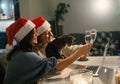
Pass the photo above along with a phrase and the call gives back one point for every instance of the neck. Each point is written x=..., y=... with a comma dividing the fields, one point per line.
x=44, y=44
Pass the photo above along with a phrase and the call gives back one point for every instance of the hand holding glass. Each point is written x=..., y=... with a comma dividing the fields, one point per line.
x=90, y=35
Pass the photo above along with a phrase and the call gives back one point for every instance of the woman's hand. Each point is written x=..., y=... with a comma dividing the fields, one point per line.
x=85, y=49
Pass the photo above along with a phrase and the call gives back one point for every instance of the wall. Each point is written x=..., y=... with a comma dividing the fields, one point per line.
x=81, y=14
x=33, y=8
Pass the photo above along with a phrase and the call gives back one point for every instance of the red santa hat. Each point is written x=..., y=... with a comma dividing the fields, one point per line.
x=18, y=30
x=41, y=24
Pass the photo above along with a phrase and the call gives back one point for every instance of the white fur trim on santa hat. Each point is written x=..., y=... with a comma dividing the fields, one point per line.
x=43, y=28
x=9, y=47
x=24, y=31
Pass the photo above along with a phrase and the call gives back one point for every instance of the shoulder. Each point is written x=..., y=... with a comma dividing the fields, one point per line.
x=26, y=55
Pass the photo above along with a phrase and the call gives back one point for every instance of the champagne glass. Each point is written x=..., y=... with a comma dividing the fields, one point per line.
x=90, y=36
x=87, y=36
x=93, y=34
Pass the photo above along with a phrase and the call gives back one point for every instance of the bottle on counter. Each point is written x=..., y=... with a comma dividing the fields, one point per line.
x=117, y=72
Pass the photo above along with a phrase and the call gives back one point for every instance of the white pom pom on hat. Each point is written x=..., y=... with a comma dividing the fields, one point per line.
x=9, y=47
x=18, y=30
x=41, y=24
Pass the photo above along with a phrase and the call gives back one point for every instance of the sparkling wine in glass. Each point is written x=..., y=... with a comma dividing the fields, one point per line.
x=87, y=36
x=93, y=34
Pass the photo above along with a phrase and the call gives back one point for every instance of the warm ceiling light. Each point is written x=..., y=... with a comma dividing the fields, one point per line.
x=102, y=7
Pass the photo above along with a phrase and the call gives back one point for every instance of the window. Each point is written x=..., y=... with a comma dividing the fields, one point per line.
x=9, y=12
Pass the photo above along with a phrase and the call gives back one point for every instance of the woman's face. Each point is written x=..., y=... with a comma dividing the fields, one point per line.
x=34, y=39
x=47, y=36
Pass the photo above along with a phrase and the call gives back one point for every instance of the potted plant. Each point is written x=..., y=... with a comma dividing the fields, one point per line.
x=62, y=9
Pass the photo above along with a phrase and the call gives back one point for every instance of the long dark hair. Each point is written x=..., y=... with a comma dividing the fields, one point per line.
x=39, y=39
x=24, y=45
